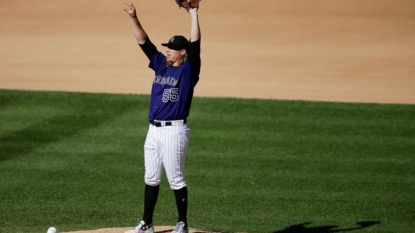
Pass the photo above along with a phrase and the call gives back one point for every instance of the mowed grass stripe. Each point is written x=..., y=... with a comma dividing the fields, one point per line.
x=75, y=161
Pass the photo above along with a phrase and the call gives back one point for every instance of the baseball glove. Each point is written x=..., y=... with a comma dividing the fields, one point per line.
x=187, y=4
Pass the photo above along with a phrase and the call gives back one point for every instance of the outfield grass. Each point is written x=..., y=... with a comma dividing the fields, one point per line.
x=75, y=161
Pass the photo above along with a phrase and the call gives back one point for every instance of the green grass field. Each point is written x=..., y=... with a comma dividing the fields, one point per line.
x=75, y=161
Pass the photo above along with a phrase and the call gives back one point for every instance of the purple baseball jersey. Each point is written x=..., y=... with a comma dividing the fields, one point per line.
x=172, y=90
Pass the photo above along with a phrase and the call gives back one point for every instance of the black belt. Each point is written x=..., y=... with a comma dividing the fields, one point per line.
x=167, y=123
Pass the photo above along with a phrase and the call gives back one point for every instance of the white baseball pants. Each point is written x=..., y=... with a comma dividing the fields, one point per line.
x=165, y=149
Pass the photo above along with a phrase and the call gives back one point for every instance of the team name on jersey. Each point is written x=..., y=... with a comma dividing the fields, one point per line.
x=165, y=80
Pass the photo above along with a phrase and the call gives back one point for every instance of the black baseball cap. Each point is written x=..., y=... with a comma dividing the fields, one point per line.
x=177, y=43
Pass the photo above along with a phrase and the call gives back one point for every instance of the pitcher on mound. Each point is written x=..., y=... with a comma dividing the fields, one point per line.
x=176, y=75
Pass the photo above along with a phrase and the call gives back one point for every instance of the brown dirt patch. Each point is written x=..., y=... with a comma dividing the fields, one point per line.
x=157, y=229
x=353, y=51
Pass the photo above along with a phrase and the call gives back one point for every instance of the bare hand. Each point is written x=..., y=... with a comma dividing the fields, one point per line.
x=131, y=12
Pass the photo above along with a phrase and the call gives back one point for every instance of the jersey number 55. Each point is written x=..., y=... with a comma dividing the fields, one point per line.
x=170, y=95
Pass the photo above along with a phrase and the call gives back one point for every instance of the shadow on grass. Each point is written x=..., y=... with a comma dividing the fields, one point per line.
x=302, y=228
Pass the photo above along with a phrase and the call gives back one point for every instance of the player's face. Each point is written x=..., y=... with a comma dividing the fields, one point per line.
x=174, y=56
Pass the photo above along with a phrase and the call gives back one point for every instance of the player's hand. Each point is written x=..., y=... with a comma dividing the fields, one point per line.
x=131, y=12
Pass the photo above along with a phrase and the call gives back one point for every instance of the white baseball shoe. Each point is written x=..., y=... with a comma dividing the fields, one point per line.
x=181, y=227
x=142, y=227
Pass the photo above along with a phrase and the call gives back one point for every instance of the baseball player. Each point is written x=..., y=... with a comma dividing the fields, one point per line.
x=176, y=75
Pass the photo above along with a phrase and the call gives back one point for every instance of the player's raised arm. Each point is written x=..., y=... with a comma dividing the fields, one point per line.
x=195, y=29
x=139, y=33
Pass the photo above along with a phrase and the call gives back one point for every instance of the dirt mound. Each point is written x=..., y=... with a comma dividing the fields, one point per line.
x=158, y=229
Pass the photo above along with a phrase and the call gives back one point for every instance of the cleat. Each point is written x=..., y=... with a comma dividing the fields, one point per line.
x=142, y=227
x=181, y=227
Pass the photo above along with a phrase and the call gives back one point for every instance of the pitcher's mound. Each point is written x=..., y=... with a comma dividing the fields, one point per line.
x=157, y=229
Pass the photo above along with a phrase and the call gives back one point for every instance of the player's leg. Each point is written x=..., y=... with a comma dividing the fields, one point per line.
x=152, y=177
x=153, y=172
x=150, y=199
x=181, y=203
x=175, y=141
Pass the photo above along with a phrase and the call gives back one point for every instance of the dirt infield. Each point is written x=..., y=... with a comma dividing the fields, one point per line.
x=353, y=51
x=348, y=51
